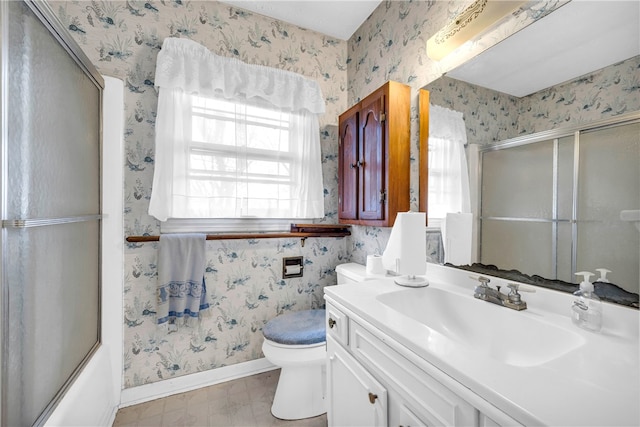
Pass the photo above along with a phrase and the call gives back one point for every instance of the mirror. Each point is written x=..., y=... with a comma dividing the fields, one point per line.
x=535, y=202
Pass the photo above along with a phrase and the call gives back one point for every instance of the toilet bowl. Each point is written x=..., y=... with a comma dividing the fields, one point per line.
x=296, y=342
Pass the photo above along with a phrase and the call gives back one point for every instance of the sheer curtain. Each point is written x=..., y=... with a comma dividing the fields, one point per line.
x=448, y=174
x=234, y=140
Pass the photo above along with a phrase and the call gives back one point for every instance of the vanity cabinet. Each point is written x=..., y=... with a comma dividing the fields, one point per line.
x=373, y=157
x=356, y=397
x=365, y=365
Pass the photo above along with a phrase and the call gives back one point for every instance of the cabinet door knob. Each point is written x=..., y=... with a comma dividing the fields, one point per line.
x=331, y=323
x=372, y=398
x=353, y=165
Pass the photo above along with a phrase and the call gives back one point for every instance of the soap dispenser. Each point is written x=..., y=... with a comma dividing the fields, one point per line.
x=603, y=275
x=586, y=311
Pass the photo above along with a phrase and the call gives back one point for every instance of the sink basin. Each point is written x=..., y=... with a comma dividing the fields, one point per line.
x=512, y=337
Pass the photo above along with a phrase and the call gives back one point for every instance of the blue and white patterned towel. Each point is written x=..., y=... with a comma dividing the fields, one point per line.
x=181, y=288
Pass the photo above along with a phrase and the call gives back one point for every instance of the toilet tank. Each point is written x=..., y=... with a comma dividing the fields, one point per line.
x=352, y=273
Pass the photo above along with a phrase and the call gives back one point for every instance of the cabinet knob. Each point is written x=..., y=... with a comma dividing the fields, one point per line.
x=372, y=398
x=331, y=323
x=353, y=165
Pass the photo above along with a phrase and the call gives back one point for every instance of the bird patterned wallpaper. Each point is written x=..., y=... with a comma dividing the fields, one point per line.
x=244, y=277
x=390, y=45
x=245, y=285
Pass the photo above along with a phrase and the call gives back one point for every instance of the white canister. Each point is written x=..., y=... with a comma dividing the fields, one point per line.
x=374, y=265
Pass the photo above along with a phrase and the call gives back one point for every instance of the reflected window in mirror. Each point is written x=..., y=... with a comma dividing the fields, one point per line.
x=448, y=173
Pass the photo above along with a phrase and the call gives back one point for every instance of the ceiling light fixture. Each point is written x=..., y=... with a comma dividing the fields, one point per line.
x=473, y=20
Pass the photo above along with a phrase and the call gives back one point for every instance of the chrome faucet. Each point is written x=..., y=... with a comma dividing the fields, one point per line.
x=513, y=300
x=485, y=293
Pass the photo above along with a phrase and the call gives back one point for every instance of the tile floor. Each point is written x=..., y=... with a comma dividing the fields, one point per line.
x=240, y=403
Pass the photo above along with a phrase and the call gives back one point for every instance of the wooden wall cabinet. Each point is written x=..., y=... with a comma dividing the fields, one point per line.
x=374, y=151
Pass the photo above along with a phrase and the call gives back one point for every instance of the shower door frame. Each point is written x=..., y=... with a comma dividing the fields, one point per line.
x=553, y=135
x=47, y=17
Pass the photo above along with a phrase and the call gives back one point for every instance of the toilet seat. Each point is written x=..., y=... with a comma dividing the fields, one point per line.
x=304, y=327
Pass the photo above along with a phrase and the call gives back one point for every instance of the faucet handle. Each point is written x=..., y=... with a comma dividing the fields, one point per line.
x=515, y=288
x=484, y=281
x=513, y=299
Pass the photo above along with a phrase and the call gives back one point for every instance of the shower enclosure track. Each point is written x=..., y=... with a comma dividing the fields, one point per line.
x=40, y=222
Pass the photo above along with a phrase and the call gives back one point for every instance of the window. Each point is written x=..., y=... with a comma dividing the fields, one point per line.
x=243, y=156
x=448, y=175
x=234, y=147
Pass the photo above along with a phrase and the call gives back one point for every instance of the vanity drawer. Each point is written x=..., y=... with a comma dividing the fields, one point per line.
x=337, y=325
x=435, y=403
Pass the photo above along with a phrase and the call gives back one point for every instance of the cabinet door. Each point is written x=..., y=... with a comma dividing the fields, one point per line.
x=348, y=165
x=408, y=384
x=407, y=418
x=355, y=398
x=371, y=152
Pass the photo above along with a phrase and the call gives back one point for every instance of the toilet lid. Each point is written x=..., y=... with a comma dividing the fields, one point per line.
x=298, y=328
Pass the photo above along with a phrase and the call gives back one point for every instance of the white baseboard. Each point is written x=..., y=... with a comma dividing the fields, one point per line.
x=147, y=392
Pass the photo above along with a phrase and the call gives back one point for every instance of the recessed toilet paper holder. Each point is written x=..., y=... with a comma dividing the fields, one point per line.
x=292, y=267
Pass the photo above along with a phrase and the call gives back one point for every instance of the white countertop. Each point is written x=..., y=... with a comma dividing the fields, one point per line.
x=595, y=384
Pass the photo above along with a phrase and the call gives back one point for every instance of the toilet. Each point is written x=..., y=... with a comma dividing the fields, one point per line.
x=296, y=342
x=353, y=273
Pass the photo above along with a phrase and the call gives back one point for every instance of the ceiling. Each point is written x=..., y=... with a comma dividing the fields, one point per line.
x=578, y=38
x=336, y=18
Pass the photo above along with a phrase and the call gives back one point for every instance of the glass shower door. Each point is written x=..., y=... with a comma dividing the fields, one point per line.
x=50, y=238
x=518, y=208
x=604, y=240
x=552, y=207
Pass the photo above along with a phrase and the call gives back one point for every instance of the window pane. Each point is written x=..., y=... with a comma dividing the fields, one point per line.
x=240, y=159
x=266, y=167
x=208, y=130
x=268, y=138
x=213, y=121
x=205, y=163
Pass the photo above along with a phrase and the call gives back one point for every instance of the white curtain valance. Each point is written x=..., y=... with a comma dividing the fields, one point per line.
x=447, y=124
x=188, y=66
